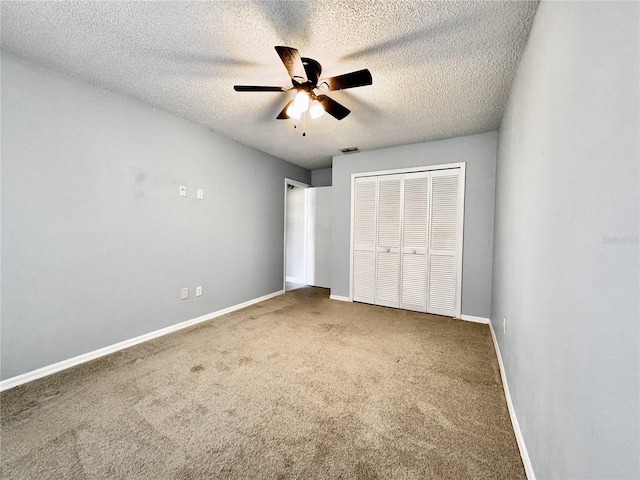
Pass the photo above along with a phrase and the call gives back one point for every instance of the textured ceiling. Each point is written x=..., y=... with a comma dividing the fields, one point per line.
x=440, y=69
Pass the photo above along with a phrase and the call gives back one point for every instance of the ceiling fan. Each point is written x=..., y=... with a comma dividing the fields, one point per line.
x=305, y=74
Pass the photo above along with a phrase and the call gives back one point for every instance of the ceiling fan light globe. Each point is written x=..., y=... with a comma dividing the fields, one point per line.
x=293, y=112
x=316, y=110
x=301, y=102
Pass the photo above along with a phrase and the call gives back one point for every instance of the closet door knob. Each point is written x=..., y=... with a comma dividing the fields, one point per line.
x=413, y=251
x=388, y=250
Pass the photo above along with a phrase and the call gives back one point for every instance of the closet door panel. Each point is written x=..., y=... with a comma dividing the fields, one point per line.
x=414, y=282
x=415, y=227
x=442, y=284
x=364, y=274
x=445, y=242
x=415, y=230
x=388, y=240
x=365, y=213
x=364, y=239
x=444, y=213
x=389, y=194
x=388, y=279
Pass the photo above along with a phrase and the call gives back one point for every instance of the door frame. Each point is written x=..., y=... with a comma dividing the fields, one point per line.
x=295, y=183
x=425, y=168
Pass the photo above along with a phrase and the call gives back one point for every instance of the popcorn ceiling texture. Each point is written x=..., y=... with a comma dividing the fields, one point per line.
x=440, y=69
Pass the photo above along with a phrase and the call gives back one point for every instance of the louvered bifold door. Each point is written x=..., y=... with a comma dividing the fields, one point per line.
x=388, y=240
x=415, y=230
x=445, y=243
x=364, y=240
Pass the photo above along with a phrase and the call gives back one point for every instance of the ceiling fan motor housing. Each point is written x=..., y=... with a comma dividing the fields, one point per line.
x=313, y=69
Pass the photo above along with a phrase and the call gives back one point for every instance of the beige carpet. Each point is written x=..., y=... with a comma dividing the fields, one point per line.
x=299, y=386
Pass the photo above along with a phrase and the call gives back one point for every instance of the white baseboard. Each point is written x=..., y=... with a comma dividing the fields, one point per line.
x=471, y=318
x=528, y=467
x=85, y=357
x=338, y=297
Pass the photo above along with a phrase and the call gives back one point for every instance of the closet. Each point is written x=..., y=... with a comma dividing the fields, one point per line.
x=407, y=239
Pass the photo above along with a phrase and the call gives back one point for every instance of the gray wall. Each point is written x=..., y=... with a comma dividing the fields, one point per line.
x=567, y=185
x=321, y=178
x=479, y=151
x=96, y=242
x=319, y=236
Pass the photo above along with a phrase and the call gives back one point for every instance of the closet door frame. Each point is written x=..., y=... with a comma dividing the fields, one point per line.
x=425, y=168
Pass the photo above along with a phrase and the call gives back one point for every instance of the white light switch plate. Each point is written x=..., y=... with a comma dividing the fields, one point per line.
x=183, y=191
x=198, y=291
x=200, y=193
x=185, y=293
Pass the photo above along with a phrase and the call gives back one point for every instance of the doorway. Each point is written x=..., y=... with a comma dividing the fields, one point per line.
x=295, y=235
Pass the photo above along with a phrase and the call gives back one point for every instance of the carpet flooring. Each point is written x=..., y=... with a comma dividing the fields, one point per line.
x=298, y=386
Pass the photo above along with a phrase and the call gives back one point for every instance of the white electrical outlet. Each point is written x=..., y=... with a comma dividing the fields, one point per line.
x=185, y=293
x=183, y=191
x=200, y=193
x=199, y=291
x=504, y=326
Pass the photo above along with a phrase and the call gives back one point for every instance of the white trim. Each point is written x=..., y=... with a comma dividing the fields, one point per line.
x=300, y=281
x=471, y=318
x=351, y=235
x=528, y=467
x=424, y=168
x=101, y=352
x=338, y=297
x=462, y=182
x=295, y=183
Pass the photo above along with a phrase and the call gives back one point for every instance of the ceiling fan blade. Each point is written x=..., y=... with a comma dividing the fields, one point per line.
x=256, y=88
x=333, y=108
x=292, y=62
x=348, y=80
x=283, y=114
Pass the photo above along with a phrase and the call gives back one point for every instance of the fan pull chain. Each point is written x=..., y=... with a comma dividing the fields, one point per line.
x=304, y=125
